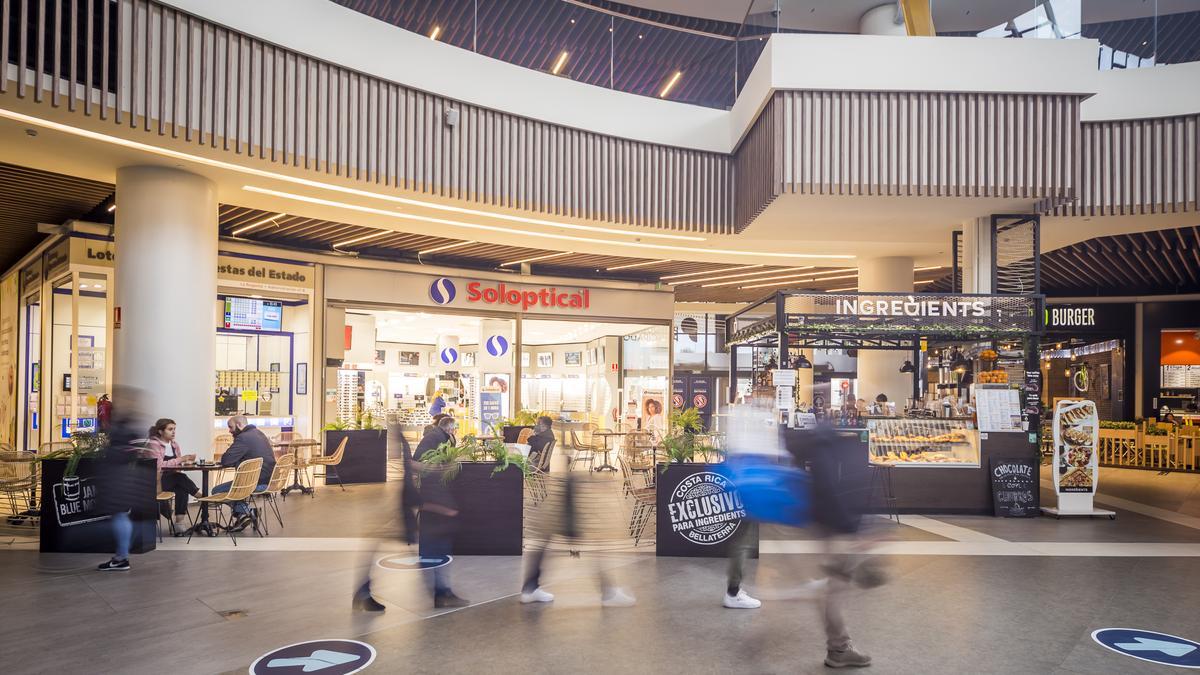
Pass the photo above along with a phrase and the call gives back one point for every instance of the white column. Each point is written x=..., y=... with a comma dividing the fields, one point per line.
x=882, y=20
x=879, y=370
x=166, y=287
x=977, y=256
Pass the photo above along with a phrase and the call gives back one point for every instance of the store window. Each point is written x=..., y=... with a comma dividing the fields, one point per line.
x=78, y=364
x=31, y=370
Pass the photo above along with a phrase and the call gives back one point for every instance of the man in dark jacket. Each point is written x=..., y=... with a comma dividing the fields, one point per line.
x=249, y=442
x=541, y=441
x=438, y=512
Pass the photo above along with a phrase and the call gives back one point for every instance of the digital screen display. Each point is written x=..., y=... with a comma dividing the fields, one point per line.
x=253, y=314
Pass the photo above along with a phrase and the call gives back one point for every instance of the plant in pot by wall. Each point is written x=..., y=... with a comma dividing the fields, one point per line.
x=680, y=443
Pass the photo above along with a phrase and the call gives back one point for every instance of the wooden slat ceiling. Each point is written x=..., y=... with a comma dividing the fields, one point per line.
x=29, y=197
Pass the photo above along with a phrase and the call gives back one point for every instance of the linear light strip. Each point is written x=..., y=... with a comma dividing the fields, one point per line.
x=792, y=281
x=558, y=65
x=216, y=163
x=251, y=226
x=926, y=269
x=446, y=247
x=700, y=274
x=537, y=258
x=633, y=265
x=363, y=238
x=736, y=276
x=548, y=235
x=789, y=277
x=433, y=35
x=671, y=84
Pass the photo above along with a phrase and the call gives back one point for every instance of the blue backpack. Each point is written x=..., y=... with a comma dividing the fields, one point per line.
x=771, y=493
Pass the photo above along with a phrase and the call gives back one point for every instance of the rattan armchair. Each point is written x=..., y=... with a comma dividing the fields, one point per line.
x=245, y=480
x=279, y=479
x=331, y=462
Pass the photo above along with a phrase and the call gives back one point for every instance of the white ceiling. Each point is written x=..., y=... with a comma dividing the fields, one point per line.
x=841, y=16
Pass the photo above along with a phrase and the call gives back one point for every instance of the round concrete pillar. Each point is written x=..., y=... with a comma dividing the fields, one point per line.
x=166, y=289
x=882, y=20
x=879, y=370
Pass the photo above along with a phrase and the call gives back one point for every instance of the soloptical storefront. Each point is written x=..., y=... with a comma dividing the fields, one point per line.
x=401, y=343
x=304, y=341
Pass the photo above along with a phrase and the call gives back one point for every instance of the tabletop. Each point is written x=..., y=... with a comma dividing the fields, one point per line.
x=196, y=467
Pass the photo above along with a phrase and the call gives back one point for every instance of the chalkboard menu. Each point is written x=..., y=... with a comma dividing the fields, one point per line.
x=1015, y=487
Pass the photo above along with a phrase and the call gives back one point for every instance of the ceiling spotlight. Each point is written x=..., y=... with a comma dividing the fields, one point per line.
x=111, y=207
x=802, y=362
x=907, y=367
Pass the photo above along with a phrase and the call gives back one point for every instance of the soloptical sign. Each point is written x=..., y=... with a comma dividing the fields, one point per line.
x=444, y=291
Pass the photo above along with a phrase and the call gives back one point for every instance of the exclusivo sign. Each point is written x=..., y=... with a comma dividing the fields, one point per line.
x=443, y=291
x=910, y=306
x=705, y=508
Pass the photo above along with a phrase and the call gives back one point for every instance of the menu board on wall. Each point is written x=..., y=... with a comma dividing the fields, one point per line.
x=998, y=409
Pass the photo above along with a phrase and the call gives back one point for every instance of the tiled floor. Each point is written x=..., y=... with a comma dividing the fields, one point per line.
x=966, y=595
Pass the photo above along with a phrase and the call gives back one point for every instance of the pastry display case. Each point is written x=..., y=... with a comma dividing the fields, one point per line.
x=918, y=442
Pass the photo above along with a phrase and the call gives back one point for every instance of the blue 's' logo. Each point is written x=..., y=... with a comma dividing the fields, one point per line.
x=442, y=291
x=449, y=356
x=497, y=345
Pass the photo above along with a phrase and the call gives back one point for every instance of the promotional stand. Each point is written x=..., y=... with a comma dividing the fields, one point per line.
x=1076, y=469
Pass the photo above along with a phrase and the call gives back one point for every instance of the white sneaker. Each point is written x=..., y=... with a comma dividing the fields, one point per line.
x=741, y=601
x=537, y=595
x=616, y=597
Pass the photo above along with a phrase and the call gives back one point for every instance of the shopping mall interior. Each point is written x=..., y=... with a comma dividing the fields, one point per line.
x=750, y=336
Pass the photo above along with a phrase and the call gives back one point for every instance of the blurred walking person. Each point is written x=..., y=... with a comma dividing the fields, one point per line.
x=557, y=516
x=836, y=497
x=437, y=517
x=410, y=503
x=119, y=487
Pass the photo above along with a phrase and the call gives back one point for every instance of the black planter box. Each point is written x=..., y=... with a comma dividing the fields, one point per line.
x=699, y=514
x=490, y=510
x=365, y=460
x=69, y=523
x=511, y=434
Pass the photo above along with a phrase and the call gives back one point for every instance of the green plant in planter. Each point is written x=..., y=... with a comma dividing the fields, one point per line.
x=448, y=458
x=367, y=421
x=686, y=421
x=1105, y=424
x=84, y=445
x=336, y=425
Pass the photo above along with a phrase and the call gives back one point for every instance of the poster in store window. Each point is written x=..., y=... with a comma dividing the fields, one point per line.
x=653, y=410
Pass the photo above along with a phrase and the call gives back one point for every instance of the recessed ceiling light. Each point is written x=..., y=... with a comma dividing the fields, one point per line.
x=433, y=34
x=111, y=208
x=1179, y=341
x=562, y=60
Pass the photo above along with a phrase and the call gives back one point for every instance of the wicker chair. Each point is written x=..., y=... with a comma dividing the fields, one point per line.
x=536, y=480
x=582, y=452
x=523, y=437
x=18, y=471
x=645, y=502
x=279, y=479
x=331, y=462
x=245, y=480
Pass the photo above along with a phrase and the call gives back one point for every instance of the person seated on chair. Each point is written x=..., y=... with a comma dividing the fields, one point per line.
x=249, y=442
x=165, y=450
x=540, y=441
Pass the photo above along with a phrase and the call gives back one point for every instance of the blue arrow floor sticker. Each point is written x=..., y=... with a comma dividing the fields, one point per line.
x=1146, y=645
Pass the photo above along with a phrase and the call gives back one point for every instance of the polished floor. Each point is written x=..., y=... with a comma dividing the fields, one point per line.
x=965, y=595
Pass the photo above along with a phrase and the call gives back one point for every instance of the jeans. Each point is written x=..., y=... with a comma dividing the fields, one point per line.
x=240, y=507
x=122, y=528
x=739, y=550
x=437, y=540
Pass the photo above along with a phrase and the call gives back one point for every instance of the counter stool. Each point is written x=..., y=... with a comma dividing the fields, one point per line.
x=881, y=475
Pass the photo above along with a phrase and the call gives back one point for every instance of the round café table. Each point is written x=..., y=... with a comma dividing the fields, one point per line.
x=202, y=525
x=294, y=447
x=606, y=466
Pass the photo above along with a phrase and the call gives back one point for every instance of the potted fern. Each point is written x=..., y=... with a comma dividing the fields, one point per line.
x=487, y=483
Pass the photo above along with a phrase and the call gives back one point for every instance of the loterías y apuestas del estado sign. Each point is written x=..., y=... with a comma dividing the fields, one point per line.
x=910, y=306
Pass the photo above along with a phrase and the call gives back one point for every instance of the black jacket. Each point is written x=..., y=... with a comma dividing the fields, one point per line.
x=434, y=490
x=538, y=444
x=248, y=444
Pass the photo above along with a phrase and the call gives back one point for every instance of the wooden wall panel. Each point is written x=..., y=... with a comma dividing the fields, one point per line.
x=1137, y=167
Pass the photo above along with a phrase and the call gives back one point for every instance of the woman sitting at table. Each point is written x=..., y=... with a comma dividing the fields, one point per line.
x=166, y=451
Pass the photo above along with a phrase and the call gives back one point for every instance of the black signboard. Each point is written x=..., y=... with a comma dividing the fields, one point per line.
x=1015, y=487
x=700, y=514
x=70, y=523
x=1101, y=317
